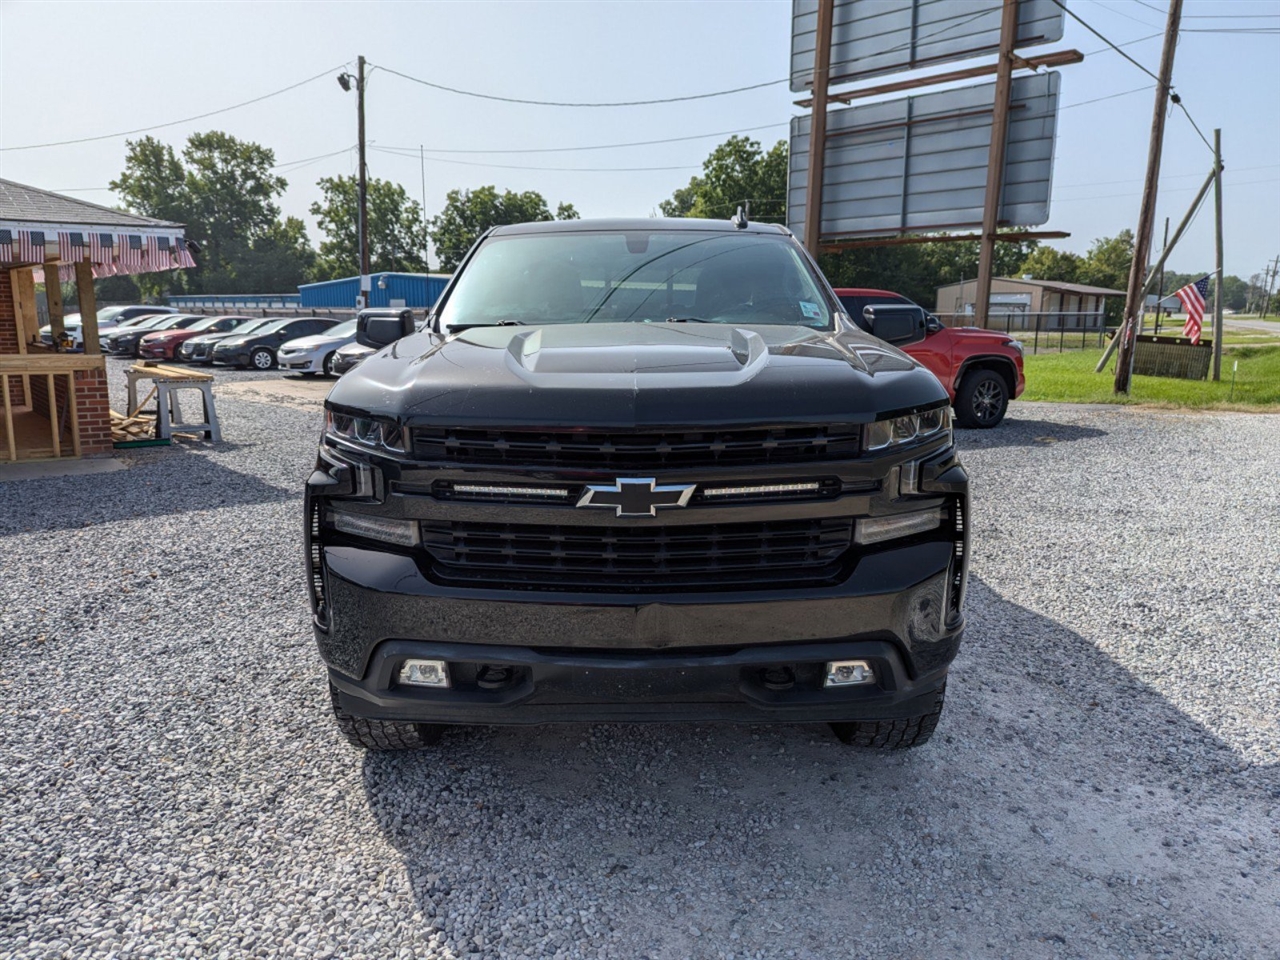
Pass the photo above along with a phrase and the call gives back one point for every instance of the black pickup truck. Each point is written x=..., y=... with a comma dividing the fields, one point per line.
x=638, y=470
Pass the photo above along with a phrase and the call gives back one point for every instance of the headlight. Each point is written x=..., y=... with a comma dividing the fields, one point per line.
x=1016, y=345
x=364, y=431
x=903, y=430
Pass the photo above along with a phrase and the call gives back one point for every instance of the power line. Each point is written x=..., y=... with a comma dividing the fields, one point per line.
x=508, y=166
x=1113, y=46
x=1110, y=96
x=558, y=103
x=604, y=146
x=1107, y=6
x=174, y=123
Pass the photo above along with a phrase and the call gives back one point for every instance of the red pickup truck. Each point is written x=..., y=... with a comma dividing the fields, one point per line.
x=980, y=369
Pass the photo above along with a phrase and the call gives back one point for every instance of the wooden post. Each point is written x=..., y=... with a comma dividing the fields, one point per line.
x=54, y=426
x=1217, y=276
x=818, y=128
x=995, y=158
x=53, y=297
x=8, y=417
x=1147, y=213
x=88, y=307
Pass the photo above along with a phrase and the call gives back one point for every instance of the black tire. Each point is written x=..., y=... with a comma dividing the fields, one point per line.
x=893, y=734
x=383, y=734
x=262, y=358
x=982, y=399
x=327, y=366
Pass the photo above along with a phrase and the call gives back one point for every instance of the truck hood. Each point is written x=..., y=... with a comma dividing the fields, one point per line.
x=979, y=335
x=636, y=374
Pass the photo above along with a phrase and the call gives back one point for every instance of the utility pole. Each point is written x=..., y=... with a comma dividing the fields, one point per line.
x=1146, y=216
x=1268, y=284
x=364, y=189
x=1217, y=276
x=426, y=244
x=818, y=128
x=995, y=158
x=1160, y=288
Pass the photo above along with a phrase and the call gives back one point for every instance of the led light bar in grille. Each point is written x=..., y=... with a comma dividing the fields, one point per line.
x=762, y=489
x=477, y=489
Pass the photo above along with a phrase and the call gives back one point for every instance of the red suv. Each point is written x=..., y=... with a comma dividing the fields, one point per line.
x=981, y=369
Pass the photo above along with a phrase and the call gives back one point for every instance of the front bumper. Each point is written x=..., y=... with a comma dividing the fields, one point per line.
x=663, y=657
x=239, y=358
x=557, y=686
x=301, y=362
x=156, y=351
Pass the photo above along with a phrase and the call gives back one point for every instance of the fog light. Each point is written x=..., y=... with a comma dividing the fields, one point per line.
x=846, y=673
x=424, y=673
x=403, y=533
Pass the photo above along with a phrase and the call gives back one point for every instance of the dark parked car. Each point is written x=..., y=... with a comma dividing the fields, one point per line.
x=257, y=349
x=199, y=349
x=164, y=344
x=125, y=342
x=638, y=470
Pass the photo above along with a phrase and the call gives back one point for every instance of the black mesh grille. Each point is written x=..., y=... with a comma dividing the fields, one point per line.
x=315, y=570
x=958, y=559
x=622, y=558
x=632, y=451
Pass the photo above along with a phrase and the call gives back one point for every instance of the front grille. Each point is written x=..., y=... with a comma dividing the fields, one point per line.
x=533, y=556
x=605, y=450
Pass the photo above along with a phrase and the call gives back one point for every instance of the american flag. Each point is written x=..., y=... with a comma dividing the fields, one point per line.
x=6, y=246
x=100, y=251
x=1192, y=297
x=182, y=254
x=30, y=246
x=70, y=246
x=129, y=259
x=158, y=253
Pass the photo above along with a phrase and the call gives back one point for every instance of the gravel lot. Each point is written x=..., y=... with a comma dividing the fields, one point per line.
x=1105, y=781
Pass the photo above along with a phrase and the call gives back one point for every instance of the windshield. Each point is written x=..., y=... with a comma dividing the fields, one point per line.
x=271, y=326
x=639, y=276
x=204, y=324
x=347, y=329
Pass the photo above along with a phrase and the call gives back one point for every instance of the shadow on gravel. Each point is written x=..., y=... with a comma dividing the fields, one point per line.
x=1020, y=432
x=163, y=481
x=1059, y=812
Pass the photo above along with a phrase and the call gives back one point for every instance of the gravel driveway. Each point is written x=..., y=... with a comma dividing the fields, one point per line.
x=1105, y=781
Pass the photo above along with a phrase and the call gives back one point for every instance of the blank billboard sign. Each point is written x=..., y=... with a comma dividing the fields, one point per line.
x=919, y=164
x=873, y=37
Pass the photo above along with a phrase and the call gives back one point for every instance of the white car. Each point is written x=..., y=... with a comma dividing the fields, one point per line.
x=314, y=354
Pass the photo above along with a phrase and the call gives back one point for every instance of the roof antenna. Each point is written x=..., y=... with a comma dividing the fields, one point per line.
x=739, y=219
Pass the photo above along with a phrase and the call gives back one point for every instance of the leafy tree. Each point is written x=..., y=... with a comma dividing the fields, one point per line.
x=737, y=171
x=1108, y=262
x=1049, y=263
x=469, y=213
x=223, y=191
x=397, y=237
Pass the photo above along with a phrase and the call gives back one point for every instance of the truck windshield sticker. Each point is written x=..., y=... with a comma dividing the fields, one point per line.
x=810, y=310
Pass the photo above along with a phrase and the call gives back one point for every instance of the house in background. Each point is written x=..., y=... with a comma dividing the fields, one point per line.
x=54, y=403
x=1026, y=304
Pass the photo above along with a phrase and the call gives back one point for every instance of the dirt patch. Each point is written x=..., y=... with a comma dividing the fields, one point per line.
x=302, y=393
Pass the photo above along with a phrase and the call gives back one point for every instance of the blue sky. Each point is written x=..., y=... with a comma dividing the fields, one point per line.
x=120, y=66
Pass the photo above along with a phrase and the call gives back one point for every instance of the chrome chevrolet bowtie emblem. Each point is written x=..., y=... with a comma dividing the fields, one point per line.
x=637, y=496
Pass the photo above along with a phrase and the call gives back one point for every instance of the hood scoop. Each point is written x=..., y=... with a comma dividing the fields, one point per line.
x=729, y=357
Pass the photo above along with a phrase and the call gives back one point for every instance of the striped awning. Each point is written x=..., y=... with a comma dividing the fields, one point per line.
x=111, y=252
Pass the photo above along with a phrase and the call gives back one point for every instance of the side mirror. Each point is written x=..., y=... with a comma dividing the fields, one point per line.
x=379, y=331
x=898, y=323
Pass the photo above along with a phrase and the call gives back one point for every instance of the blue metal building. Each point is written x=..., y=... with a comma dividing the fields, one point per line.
x=416, y=290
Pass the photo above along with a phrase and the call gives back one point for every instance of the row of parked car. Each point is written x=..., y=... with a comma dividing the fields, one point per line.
x=305, y=345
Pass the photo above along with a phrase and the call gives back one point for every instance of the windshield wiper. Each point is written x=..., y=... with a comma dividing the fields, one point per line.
x=689, y=320
x=455, y=327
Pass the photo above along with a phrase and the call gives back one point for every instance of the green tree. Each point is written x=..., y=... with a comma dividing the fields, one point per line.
x=397, y=237
x=223, y=191
x=1108, y=262
x=1049, y=263
x=469, y=213
x=737, y=172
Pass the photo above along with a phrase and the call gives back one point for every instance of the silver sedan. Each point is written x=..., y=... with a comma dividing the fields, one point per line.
x=314, y=354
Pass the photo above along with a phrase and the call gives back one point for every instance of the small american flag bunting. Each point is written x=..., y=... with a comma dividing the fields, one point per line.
x=6, y=246
x=1193, y=297
x=31, y=246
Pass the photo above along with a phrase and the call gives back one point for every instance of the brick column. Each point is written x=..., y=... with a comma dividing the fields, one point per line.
x=93, y=407
x=9, y=332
